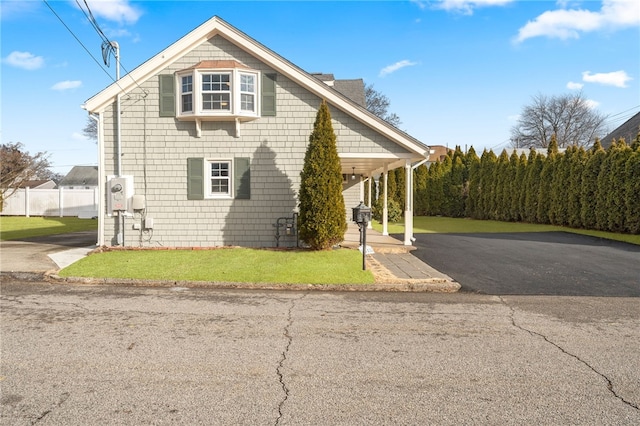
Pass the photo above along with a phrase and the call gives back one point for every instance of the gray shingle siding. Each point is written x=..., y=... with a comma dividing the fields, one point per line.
x=158, y=148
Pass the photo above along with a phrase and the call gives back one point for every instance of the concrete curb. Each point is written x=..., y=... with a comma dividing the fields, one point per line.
x=434, y=285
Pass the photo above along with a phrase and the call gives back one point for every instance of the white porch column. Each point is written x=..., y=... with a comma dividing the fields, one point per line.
x=370, y=178
x=408, y=209
x=385, y=210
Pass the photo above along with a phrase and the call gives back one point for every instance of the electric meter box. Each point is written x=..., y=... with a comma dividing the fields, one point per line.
x=119, y=193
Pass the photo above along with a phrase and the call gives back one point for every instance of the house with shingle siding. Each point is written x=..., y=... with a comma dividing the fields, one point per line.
x=202, y=145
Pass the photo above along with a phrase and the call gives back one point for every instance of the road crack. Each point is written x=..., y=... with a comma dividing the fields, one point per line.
x=283, y=357
x=607, y=380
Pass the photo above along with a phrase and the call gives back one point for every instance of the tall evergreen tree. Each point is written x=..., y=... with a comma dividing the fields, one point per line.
x=558, y=209
x=604, y=187
x=501, y=183
x=486, y=200
x=632, y=187
x=419, y=190
x=617, y=195
x=546, y=177
x=534, y=171
x=435, y=200
x=472, y=163
x=577, y=165
x=518, y=189
x=589, y=186
x=392, y=186
x=455, y=183
x=401, y=188
x=322, y=211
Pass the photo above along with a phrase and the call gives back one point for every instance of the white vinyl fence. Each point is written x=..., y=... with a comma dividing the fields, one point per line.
x=52, y=202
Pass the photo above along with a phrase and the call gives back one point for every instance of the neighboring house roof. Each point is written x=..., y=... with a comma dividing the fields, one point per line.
x=437, y=153
x=81, y=176
x=38, y=184
x=628, y=130
x=216, y=26
x=351, y=88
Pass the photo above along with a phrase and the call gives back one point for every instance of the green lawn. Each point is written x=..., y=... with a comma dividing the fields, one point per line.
x=227, y=265
x=20, y=227
x=447, y=225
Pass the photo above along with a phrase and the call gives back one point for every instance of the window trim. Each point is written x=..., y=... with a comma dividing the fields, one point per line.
x=183, y=93
x=209, y=194
x=235, y=111
x=240, y=172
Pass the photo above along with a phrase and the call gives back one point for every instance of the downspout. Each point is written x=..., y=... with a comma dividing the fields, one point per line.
x=408, y=208
x=101, y=178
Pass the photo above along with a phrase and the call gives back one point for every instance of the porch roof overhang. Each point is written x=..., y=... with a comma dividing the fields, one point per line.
x=370, y=164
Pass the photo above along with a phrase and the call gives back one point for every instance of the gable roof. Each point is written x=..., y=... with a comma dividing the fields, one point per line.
x=81, y=176
x=216, y=26
x=628, y=130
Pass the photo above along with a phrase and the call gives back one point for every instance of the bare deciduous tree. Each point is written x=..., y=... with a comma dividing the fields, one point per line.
x=17, y=166
x=378, y=104
x=570, y=117
x=91, y=129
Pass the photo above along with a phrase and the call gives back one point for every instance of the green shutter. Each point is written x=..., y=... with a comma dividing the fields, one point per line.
x=195, y=178
x=268, y=95
x=167, y=96
x=242, y=178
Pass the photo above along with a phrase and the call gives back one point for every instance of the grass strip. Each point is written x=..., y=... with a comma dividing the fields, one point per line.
x=227, y=265
x=20, y=227
x=448, y=225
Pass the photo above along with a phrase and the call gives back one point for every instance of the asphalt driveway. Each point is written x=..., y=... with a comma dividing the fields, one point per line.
x=32, y=254
x=546, y=263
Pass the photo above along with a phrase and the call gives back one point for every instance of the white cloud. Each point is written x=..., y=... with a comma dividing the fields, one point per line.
x=574, y=86
x=616, y=78
x=24, y=60
x=395, y=67
x=591, y=103
x=67, y=85
x=120, y=11
x=467, y=6
x=569, y=23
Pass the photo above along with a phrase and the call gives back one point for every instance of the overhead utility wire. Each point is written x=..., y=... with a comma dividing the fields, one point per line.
x=107, y=45
x=80, y=42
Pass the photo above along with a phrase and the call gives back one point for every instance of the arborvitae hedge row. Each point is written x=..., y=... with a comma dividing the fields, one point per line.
x=592, y=189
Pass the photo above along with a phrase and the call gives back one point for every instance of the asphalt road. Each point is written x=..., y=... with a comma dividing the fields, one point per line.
x=99, y=355
x=545, y=263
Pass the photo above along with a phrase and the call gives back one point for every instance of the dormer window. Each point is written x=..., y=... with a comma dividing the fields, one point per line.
x=218, y=90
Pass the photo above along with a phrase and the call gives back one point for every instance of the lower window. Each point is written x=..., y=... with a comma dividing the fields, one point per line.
x=220, y=178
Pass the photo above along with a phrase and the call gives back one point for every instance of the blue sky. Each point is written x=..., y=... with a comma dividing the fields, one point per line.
x=457, y=72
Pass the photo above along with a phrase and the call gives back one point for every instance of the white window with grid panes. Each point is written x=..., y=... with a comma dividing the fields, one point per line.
x=186, y=95
x=216, y=92
x=220, y=180
x=212, y=94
